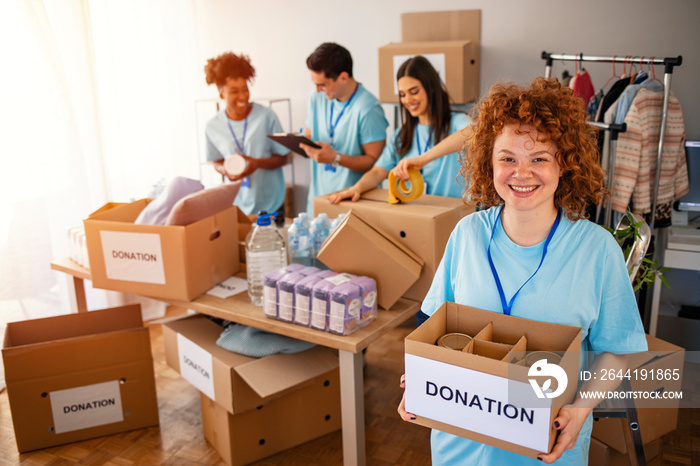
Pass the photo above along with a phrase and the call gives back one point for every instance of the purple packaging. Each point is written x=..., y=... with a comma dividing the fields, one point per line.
x=294, y=267
x=320, y=302
x=302, y=296
x=285, y=295
x=270, y=301
x=308, y=270
x=345, y=305
x=368, y=311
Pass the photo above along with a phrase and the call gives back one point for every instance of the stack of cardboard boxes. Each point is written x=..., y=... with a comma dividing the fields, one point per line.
x=450, y=40
x=253, y=408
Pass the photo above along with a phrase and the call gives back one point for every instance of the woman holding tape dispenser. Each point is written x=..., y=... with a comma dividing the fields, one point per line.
x=533, y=164
x=427, y=119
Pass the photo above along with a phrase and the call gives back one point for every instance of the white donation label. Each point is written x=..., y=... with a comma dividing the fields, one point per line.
x=196, y=365
x=134, y=257
x=477, y=401
x=86, y=406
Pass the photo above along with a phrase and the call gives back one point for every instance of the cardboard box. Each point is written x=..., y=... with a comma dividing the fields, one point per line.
x=653, y=422
x=423, y=226
x=238, y=383
x=79, y=376
x=363, y=249
x=293, y=419
x=476, y=396
x=456, y=61
x=441, y=25
x=600, y=454
x=168, y=262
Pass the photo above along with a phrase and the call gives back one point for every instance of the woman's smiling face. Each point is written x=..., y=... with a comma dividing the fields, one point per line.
x=412, y=95
x=525, y=169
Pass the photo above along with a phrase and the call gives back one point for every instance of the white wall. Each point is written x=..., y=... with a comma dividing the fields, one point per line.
x=278, y=36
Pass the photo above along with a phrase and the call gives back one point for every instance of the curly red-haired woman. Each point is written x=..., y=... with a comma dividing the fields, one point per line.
x=533, y=165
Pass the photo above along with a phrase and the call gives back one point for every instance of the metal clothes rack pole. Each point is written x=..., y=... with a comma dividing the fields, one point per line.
x=668, y=62
x=614, y=129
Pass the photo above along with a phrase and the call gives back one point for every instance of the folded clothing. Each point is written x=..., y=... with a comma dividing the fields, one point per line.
x=158, y=210
x=256, y=343
x=202, y=204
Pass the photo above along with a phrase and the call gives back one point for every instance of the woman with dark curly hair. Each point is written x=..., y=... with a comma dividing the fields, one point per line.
x=533, y=165
x=239, y=131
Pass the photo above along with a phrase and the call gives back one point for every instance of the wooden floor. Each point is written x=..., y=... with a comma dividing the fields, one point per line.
x=179, y=439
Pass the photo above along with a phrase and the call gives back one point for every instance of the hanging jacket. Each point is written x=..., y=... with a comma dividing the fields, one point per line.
x=582, y=86
x=637, y=150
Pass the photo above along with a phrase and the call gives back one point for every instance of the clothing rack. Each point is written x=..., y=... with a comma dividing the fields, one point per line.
x=614, y=129
x=669, y=63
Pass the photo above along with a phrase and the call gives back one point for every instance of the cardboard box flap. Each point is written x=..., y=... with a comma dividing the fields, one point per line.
x=106, y=207
x=120, y=212
x=203, y=332
x=64, y=327
x=278, y=373
x=384, y=234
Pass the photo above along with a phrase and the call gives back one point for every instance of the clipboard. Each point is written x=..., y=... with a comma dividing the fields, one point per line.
x=291, y=141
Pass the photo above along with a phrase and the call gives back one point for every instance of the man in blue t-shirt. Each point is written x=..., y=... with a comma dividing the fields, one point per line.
x=344, y=118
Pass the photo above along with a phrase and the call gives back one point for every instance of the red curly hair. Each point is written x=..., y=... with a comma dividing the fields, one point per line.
x=228, y=65
x=559, y=118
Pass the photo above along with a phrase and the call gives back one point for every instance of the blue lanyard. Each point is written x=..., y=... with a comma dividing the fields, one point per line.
x=507, y=306
x=241, y=144
x=427, y=143
x=331, y=125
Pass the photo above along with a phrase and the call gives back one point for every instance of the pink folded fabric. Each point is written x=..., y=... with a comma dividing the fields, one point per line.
x=203, y=204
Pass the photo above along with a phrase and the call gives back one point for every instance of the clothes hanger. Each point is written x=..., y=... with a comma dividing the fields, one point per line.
x=653, y=74
x=614, y=74
x=632, y=67
x=624, y=67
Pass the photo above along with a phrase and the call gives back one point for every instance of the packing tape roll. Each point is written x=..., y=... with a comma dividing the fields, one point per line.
x=405, y=190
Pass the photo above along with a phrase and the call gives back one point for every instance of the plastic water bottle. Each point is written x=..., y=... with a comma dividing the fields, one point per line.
x=324, y=218
x=305, y=218
x=319, y=232
x=299, y=242
x=265, y=251
x=336, y=221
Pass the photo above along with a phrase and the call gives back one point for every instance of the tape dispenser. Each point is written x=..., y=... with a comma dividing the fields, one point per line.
x=405, y=190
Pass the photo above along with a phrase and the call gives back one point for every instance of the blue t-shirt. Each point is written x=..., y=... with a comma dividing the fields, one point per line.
x=264, y=189
x=441, y=176
x=362, y=122
x=583, y=282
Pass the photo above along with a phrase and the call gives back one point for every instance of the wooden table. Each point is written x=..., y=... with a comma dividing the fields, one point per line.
x=238, y=308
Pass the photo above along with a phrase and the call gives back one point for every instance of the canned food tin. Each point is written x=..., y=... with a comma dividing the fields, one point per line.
x=455, y=341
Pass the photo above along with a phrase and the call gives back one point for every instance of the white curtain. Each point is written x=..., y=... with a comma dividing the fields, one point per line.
x=97, y=104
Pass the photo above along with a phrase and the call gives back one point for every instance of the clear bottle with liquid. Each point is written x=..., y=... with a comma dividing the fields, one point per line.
x=299, y=242
x=265, y=251
x=320, y=229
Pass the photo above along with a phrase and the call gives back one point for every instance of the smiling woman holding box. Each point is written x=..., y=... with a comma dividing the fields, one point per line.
x=533, y=163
